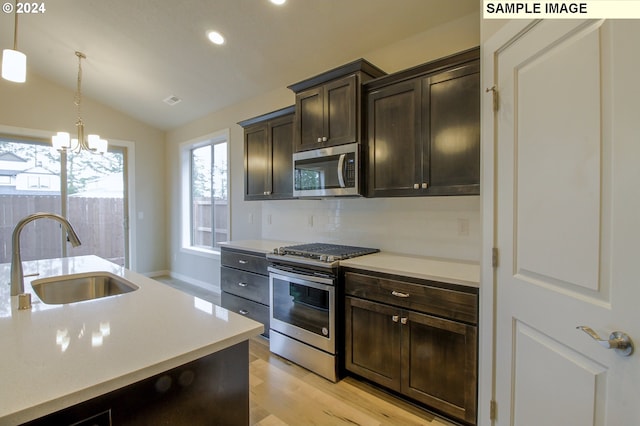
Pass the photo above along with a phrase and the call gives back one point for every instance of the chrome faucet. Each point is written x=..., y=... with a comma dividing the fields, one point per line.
x=17, y=277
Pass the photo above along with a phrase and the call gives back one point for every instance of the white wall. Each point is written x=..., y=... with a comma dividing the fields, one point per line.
x=39, y=108
x=426, y=226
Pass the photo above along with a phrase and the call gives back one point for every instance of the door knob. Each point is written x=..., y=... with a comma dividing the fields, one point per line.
x=618, y=341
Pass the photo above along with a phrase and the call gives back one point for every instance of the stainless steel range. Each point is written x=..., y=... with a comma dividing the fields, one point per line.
x=303, y=304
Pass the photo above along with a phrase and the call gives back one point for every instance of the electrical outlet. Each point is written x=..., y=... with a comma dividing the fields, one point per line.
x=250, y=218
x=269, y=219
x=311, y=221
x=463, y=227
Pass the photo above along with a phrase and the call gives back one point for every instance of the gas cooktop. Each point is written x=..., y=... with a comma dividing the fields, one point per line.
x=323, y=253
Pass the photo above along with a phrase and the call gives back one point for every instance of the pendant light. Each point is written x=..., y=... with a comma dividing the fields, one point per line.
x=62, y=140
x=14, y=63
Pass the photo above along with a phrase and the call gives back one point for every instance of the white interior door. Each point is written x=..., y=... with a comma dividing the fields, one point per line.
x=567, y=188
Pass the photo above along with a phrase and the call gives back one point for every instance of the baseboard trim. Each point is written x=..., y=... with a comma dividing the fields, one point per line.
x=202, y=284
x=155, y=274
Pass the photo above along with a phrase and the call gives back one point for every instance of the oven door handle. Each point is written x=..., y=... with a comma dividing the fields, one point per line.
x=301, y=277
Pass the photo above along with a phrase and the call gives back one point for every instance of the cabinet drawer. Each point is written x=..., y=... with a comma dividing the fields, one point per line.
x=247, y=308
x=247, y=262
x=245, y=284
x=442, y=302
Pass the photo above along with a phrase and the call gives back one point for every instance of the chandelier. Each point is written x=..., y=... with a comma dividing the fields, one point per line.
x=62, y=140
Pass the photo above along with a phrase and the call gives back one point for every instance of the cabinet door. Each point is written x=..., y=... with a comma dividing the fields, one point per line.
x=340, y=111
x=439, y=364
x=309, y=119
x=373, y=341
x=394, y=140
x=327, y=115
x=451, y=108
x=257, y=162
x=281, y=132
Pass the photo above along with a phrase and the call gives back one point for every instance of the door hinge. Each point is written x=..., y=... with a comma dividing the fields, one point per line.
x=494, y=257
x=493, y=408
x=496, y=97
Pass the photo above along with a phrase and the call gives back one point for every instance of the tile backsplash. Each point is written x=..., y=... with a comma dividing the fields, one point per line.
x=427, y=226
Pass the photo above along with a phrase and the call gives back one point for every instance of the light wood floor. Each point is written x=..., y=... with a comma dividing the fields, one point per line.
x=283, y=393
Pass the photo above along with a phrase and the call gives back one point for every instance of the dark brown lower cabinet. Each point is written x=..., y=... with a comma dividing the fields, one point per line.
x=244, y=282
x=213, y=390
x=429, y=359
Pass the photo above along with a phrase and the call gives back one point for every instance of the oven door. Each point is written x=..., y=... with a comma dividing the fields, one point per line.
x=302, y=307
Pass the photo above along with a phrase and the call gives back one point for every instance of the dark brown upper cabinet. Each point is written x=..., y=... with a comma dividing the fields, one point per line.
x=328, y=106
x=423, y=129
x=268, y=151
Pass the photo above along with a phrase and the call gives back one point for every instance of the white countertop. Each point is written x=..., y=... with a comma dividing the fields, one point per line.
x=259, y=246
x=55, y=356
x=428, y=268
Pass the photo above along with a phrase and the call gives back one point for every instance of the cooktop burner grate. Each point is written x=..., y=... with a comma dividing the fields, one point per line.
x=337, y=251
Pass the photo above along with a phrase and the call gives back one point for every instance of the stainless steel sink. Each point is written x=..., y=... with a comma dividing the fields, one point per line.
x=79, y=287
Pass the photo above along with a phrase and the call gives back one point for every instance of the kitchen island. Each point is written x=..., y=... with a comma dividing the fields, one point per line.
x=57, y=356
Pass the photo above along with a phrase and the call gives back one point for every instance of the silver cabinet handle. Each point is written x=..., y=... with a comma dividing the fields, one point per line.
x=243, y=262
x=398, y=294
x=403, y=320
x=394, y=318
x=319, y=139
x=243, y=312
x=241, y=284
x=416, y=186
x=324, y=139
x=618, y=341
x=425, y=185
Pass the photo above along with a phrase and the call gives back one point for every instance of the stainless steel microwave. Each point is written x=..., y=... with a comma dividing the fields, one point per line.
x=327, y=172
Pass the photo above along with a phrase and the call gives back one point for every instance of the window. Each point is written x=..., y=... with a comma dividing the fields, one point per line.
x=205, y=204
x=37, y=182
x=90, y=193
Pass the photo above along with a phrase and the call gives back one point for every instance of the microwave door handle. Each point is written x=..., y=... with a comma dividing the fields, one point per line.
x=341, y=170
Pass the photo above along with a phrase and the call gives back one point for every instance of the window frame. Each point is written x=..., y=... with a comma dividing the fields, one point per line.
x=186, y=246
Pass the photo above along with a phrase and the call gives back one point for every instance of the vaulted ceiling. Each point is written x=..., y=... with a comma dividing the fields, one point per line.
x=140, y=52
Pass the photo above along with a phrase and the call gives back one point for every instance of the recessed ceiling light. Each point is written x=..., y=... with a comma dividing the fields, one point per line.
x=278, y=2
x=215, y=37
